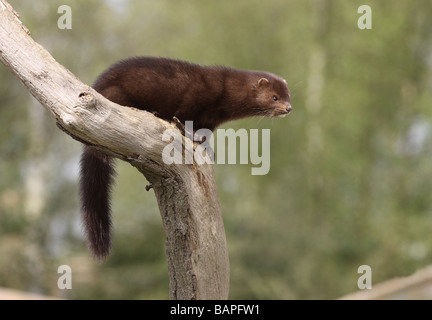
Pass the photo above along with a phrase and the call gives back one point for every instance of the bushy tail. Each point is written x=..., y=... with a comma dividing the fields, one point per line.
x=96, y=180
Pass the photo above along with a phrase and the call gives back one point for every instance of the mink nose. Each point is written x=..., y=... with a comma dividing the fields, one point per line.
x=288, y=109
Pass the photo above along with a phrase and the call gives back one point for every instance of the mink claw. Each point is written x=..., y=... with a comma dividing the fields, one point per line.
x=179, y=125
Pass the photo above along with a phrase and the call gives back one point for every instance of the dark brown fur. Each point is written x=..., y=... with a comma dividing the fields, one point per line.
x=209, y=96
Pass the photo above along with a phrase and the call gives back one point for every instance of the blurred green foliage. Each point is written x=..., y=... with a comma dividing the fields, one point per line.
x=351, y=167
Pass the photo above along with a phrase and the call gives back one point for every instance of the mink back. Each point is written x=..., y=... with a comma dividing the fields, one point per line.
x=207, y=95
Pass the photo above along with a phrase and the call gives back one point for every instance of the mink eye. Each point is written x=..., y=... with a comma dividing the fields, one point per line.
x=275, y=98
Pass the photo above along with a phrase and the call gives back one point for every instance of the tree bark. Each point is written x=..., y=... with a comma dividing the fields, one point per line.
x=187, y=196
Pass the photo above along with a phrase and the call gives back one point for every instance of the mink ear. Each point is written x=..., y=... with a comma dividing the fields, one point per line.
x=263, y=82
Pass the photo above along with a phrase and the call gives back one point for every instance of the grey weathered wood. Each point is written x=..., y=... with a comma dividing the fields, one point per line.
x=187, y=195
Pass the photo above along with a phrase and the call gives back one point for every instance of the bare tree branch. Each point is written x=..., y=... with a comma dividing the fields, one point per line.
x=187, y=195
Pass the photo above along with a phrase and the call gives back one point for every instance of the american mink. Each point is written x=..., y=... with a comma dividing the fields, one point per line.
x=206, y=95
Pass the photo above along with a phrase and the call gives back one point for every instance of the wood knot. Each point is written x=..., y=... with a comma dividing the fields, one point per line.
x=87, y=100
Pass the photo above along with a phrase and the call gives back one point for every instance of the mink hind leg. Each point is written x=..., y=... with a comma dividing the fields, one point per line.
x=96, y=181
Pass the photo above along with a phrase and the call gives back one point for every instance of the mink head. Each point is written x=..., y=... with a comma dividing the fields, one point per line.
x=272, y=96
